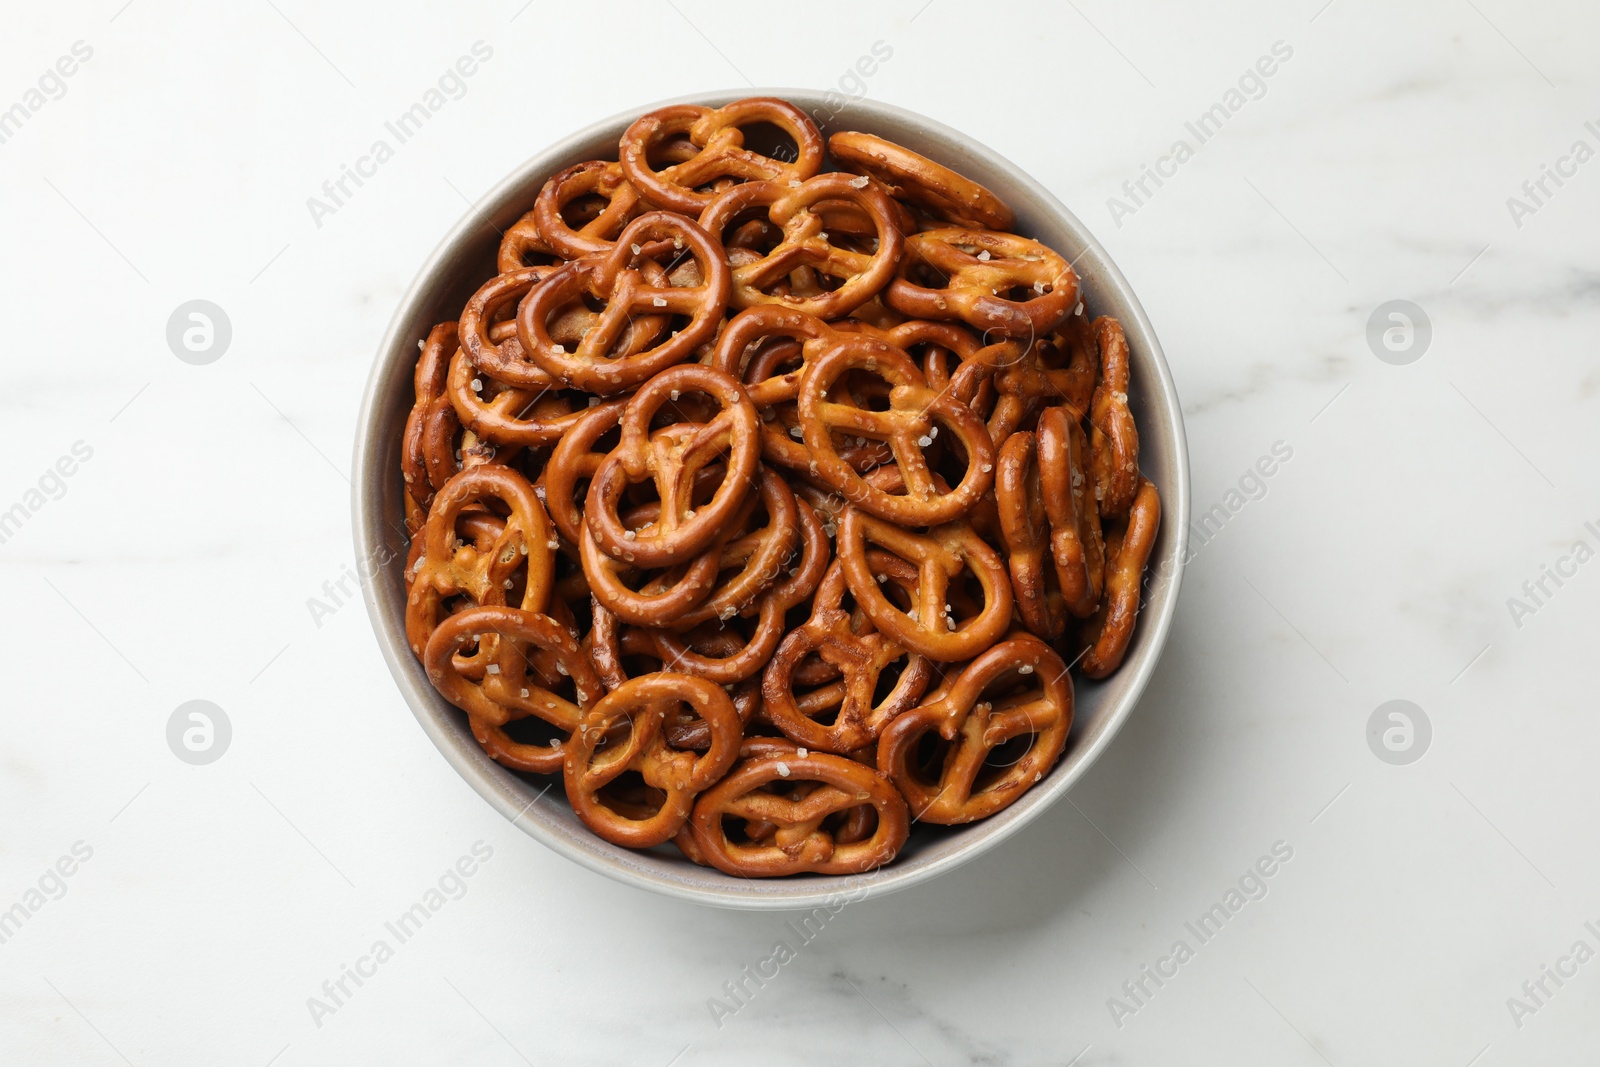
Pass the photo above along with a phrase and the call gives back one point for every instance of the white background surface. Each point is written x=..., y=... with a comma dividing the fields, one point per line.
x=179, y=561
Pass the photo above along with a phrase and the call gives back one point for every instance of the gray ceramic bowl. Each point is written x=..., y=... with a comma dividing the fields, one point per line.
x=465, y=259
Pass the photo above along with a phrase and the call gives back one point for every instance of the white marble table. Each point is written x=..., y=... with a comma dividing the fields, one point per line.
x=1384, y=558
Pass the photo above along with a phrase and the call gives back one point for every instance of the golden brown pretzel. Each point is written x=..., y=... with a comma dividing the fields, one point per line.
x=1020, y=496
x=859, y=655
x=788, y=797
x=506, y=693
x=914, y=416
x=806, y=246
x=957, y=790
x=596, y=178
x=717, y=133
x=1067, y=483
x=448, y=568
x=623, y=345
x=431, y=422
x=595, y=758
x=1113, y=438
x=672, y=457
x=942, y=555
x=914, y=177
x=968, y=271
x=1128, y=546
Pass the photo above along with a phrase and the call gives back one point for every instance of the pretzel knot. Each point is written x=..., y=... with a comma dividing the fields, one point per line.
x=1069, y=503
x=910, y=176
x=798, y=812
x=596, y=757
x=995, y=282
x=717, y=153
x=860, y=655
x=674, y=456
x=942, y=557
x=594, y=179
x=914, y=417
x=979, y=771
x=448, y=568
x=1020, y=497
x=633, y=337
x=1114, y=438
x=855, y=274
x=506, y=692
x=1128, y=546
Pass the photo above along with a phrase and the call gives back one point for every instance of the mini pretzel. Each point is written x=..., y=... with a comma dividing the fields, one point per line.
x=1075, y=540
x=594, y=178
x=805, y=244
x=673, y=456
x=790, y=795
x=1128, y=546
x=680, y=776
x=995, y=282
x=860, y=654
x=448, y=568
x=1114, y=438
x=914, y=416
x=967, y=786
x=618, y=350
x=722, y=155
x=942, y=554
x=431, y=420
x=1021, y=499
x=506, y=360
x=506, y=692
x=913, y=177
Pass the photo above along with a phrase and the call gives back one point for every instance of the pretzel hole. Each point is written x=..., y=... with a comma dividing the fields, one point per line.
x=532, y=730
x=631, y=797
x=770, y=140
x=1002, y=758
x=582, y=210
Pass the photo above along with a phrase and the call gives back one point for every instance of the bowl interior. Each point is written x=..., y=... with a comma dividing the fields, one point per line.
x=466, y=259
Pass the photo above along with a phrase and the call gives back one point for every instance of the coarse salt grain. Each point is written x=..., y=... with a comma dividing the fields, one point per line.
x=984, y=256
x=783, y=770
x=635, y=249
x=558, y=350
x=629, y=534
x=1026, y=668
x=522, y=693
x=987, y=467
x=493, y=668
x=861, y=182
x=802, y=753
x=659, y=301
x=925, y=441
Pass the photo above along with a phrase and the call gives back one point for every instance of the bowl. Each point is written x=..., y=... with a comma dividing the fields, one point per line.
x=466, y=258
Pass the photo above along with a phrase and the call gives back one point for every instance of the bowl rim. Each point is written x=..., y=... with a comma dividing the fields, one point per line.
x=496, y=784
